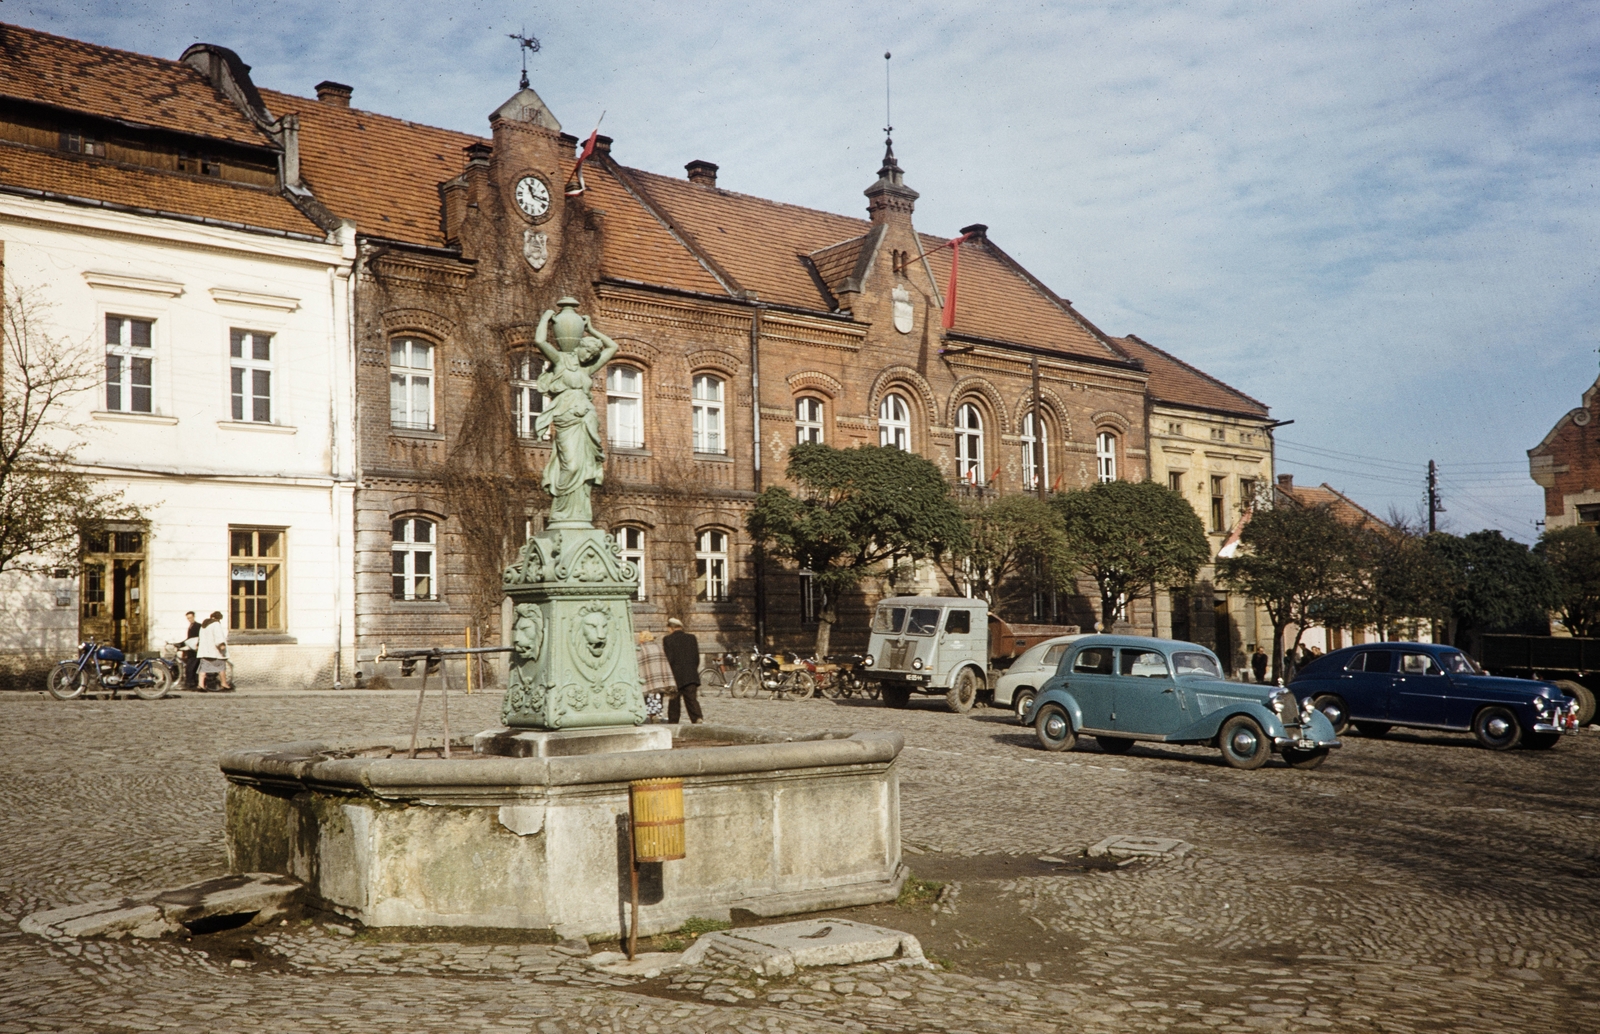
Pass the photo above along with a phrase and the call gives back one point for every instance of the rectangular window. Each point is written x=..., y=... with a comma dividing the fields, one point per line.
x=411, y=384
x=129, y=354
x=1589, y=514
x=1175, y=480
x=625, y=407
x=527, y=401
x=1218, y=434
x=808, y=421
x=255, y=579
x=631, y=541
x=711, y=567
x=250, y=353
x=77, y=143
x=1247, y=491
x=415, y=541
x=707, y=413
x=1218, y=506
x=1175, y=428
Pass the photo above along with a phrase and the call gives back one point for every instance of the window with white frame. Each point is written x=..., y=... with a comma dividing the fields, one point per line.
x=808, y=420
x=1028, y=477
x=631, y=541
x=250, y=384
x=411, y=384
x=707, y=408
x=1105, y=455
x=129, y=356
x=625, y=407
x=969, y=443
x=894, y=422
x=711, y=566
x=527, y=401
x=414, y=553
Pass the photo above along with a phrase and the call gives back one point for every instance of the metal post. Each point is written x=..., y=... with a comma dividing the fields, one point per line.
x=444, y=688
x=757, y=554
x=633, y=866
x=416, y=723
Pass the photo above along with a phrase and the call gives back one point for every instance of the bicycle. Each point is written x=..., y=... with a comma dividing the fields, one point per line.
x=838, y=678
x=714, y=676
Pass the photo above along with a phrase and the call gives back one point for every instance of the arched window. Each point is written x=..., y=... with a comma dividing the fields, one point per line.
x=625, y=407
x=808, y=420
x=413, y=554
x=711, y=566
x=894, y=422
x=631, y=540
x=527, y=401
x=707, y=406
x=1028, y=477
x=969, y=443
x=1105, y=454
x=411, y=384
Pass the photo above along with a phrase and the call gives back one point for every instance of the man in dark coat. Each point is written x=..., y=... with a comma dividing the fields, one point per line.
x=1258, y=664
x=190, y=654
x=683, y=654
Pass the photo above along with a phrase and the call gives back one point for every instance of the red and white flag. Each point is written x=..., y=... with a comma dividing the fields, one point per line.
x=575, y=184
x=1230, y=546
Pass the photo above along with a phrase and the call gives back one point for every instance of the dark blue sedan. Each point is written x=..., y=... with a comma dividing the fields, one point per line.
x=1377, y=686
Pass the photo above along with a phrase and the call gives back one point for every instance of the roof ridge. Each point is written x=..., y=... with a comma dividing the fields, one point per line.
x=684, y=238
x=377, y=115
x=866, y=223
x=174, y=63
x=837, y=244
x=1219, y=382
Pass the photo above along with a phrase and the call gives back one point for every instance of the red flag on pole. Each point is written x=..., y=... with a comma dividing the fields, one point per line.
x=950, y=293
x=575, y=184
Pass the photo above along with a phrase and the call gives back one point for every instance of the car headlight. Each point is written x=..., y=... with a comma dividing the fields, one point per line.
x=867, y=662
x=1306, y=711
x=917, y=664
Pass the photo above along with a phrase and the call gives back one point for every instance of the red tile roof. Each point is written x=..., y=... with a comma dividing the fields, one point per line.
x=1344, y=508
x=195, y=197
x=118, y=84
x=382, y=172
x=1175, y=381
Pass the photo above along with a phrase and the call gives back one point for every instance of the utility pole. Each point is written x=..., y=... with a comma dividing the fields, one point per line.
x=1434, y=506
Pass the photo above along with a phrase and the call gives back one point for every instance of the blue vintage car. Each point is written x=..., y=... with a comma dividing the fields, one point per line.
x=1377, y=686
x=1122, y=689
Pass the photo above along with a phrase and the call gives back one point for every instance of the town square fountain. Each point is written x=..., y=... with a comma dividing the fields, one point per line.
x=528, y=826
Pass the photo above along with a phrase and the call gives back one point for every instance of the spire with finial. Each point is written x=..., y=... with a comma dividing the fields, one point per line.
x=528, y=45
x=889, y=195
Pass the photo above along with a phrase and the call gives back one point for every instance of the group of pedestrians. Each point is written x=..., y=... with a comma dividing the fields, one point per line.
x=205, y=654
x=670, y=671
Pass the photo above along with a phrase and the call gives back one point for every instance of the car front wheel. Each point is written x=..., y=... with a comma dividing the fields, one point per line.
x=1497, y=728
x=1244, y=744
x=1021, y=703
x=1054, y=728
x=1332, y=708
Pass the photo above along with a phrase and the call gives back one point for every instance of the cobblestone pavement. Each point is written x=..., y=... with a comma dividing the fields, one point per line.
x=1414, y=883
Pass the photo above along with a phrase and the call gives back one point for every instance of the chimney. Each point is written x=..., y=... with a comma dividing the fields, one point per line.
x=337, y=94
x=602, y=146
x=1286, y=482
x=702, y=172
x=977, y=231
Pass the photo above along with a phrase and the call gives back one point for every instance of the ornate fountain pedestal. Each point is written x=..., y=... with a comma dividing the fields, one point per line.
x=573, y=664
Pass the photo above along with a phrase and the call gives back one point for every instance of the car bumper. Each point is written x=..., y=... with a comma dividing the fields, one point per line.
x=1560, y=727
x=1280, y=743
x=913, y=677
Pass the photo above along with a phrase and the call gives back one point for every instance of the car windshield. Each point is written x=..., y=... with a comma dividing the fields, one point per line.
x=1457, y=663
x=889, y=619
x=924, y=621
x=1190, y=663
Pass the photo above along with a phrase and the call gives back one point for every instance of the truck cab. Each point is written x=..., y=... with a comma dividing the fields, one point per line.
x=932, y=645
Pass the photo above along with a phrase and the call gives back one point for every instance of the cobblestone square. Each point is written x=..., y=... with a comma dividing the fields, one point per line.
x=1413, y=883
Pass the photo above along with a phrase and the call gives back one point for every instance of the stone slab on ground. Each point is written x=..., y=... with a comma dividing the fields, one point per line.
x=1124, y=846
x=646, y=965
x=780, y=949
x=257, y=895
x=561, y=743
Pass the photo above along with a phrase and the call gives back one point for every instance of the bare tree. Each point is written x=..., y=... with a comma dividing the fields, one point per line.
x=46, y=502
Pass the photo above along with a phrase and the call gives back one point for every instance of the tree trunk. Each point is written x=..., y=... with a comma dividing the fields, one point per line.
x=1108, y=611
x=827, y=614
x=1277, y=649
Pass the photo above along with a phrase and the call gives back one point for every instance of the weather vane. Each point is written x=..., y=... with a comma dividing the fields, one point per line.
x=529, y=45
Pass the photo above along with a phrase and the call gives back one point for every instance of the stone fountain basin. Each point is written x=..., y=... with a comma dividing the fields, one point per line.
x=775, y=824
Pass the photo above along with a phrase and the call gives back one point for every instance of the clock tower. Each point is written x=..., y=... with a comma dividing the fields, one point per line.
x=528, y=172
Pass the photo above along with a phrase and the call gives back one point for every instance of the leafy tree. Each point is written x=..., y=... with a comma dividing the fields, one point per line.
x=856, y=508
x=1396, y=577
x=1007, y=538
x=1131, y=536
x=1573, y=555
x=46, y=504
x=1496, y=583
x=1298, y=562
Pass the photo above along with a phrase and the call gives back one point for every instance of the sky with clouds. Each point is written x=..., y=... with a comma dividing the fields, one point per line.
x=1380, y=219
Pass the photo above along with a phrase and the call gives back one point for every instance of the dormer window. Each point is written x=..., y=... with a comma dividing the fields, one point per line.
x=78, y=143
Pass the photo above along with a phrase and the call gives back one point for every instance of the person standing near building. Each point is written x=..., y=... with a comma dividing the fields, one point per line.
x=683, y=654
x=656, y=675
x=1258, y=664
x=190, y=652
x=213, y=650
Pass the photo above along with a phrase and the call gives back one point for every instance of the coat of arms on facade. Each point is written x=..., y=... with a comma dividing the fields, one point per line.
x=535, y=248
x=902, y=310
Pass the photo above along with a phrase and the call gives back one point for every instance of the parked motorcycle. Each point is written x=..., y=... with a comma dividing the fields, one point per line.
x=106, y=668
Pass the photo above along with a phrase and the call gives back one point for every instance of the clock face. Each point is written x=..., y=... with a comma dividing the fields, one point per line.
x=533, y=197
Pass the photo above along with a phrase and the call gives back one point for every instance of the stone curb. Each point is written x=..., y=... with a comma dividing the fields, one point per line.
x=260, y=895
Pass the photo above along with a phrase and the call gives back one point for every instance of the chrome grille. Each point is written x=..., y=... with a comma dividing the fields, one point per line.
x=895, y=655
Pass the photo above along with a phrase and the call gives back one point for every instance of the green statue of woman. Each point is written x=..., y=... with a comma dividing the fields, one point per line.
x=578, y=459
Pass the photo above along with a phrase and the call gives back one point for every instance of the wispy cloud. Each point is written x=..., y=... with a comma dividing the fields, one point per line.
x=1379, y=219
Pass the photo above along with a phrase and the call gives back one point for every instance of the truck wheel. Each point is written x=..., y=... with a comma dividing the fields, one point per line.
x=896, y=696
x=964, y=693
x=1585, y=698
x=1053, y=726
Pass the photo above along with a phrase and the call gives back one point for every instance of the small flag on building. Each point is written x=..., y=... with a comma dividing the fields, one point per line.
x=575, y=184
x=950, y=294
x=1230, y=546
